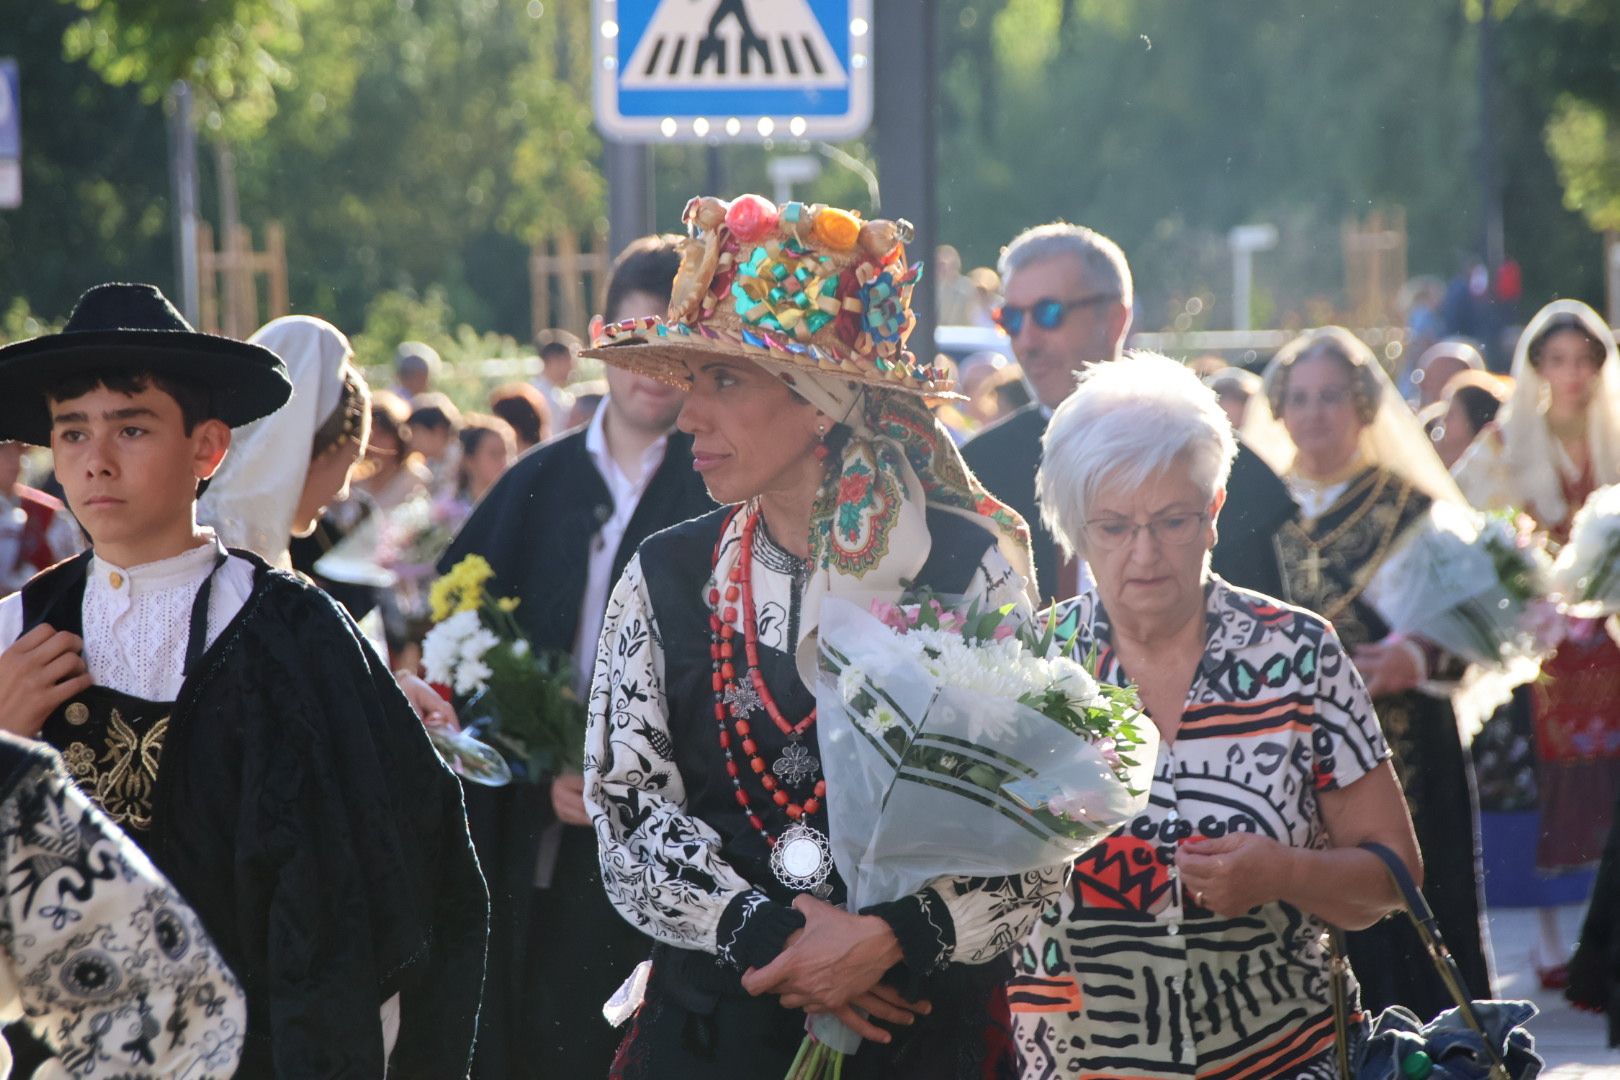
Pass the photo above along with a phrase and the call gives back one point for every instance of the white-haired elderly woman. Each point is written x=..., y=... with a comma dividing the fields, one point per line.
x=1191, y=940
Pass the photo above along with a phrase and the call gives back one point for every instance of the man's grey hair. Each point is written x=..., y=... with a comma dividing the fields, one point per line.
x=1103, y=261
x=1128, y=421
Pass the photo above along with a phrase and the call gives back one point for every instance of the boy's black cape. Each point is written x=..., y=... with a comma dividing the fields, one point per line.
x=302, y=812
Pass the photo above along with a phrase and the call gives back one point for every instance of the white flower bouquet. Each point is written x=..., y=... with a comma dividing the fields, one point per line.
x=953, y=744
x=519, y=699
x=1587, y=573
x=1472, y=584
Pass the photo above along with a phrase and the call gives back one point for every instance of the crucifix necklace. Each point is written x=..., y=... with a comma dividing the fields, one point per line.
x=1312, y=564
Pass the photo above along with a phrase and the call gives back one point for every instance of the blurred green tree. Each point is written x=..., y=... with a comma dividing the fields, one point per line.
x=403, y=143
x=1164, y=124
x=420, y=147
x=95, y=189
x=1566, y=55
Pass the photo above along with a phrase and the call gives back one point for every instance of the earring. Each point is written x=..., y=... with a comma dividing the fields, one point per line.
x=821, y=451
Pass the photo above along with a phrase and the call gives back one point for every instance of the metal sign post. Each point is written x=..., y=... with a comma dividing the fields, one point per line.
x=738, y=70
x=183, y=194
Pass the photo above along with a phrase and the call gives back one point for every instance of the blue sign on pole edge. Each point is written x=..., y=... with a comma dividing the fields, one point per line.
x=739, y=70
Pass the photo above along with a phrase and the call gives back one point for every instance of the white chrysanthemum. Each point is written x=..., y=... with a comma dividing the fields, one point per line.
x=520, y=647
x=1001, y=669
x=471, y=677
x=459, y=626
x=878, y=720
x=1075, y=682
x=851, y=682
x=442, y=647
x=477, y=643
x=993, y=726
x=439, y=658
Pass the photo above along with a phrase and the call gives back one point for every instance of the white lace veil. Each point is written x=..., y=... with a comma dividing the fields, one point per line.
x=254, y=496
x=1532, y=457
x=1392, y=438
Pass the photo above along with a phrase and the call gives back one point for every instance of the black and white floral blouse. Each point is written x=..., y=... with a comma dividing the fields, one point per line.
x=678, y=858
x=98, y=953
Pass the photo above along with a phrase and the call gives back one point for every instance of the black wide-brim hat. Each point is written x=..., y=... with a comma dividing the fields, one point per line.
x=120, y=328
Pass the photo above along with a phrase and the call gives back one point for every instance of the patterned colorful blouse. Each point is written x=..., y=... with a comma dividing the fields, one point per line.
x=1125, y=977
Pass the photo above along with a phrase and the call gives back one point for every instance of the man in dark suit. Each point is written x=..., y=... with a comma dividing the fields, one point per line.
x=1068, y=304
x=557, y=529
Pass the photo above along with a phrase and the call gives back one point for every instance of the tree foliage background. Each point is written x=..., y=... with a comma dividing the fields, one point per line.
x=414, y=149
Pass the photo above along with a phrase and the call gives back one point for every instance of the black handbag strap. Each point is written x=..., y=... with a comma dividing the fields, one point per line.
x=1428, y=929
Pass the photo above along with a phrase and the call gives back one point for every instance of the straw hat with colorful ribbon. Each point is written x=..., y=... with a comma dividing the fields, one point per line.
x=800, y=287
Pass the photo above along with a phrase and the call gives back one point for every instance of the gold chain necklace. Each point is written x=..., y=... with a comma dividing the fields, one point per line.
x=1370, y=566
x=1313, y=562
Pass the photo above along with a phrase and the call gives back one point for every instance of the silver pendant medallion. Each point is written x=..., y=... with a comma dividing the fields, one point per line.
x=743, y=698
x=802, y=860
x=796, y=764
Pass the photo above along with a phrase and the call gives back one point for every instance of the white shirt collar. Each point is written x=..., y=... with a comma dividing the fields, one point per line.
x=596, y=445
x=186, y=568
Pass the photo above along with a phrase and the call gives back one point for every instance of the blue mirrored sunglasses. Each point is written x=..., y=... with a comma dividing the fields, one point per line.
x=1048, y=312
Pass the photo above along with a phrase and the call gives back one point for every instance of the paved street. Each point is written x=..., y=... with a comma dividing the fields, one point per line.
x=1571, y=1041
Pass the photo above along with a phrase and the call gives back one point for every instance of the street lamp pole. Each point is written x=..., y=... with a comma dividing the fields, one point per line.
x=1493, y=244
x=183, y=193
x=905, y=84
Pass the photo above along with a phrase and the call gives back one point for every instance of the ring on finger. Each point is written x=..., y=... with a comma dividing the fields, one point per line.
x=1198, y=898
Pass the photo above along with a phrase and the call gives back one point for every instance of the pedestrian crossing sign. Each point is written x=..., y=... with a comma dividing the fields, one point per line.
x=700, y=70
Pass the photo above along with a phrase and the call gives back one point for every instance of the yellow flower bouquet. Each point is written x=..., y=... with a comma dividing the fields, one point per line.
x=517, y=698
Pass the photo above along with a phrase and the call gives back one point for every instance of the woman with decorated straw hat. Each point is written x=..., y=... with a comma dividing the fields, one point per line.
x=809, y=422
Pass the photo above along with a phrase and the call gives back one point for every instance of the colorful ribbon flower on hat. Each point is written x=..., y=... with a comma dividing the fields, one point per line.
x=784, y=288
x=884, y=298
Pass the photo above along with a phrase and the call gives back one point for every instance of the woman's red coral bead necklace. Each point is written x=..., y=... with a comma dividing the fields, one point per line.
x=723, y=607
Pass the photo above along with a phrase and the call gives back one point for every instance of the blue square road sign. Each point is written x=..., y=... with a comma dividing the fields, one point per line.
x=696, y=70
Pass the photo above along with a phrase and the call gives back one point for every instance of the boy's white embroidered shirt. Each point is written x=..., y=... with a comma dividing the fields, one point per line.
x=137, y=619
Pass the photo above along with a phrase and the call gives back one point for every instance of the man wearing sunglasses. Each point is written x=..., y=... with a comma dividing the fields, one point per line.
x=1068, y=305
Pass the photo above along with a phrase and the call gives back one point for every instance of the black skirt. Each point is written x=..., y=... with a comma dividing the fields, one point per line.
x=697, y=1023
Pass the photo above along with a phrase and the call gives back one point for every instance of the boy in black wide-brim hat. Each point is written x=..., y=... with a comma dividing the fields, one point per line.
x=229, y=716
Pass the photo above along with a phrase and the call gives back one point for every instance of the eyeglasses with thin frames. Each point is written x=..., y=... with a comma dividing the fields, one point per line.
x=1171, y=530
x=1048, y=312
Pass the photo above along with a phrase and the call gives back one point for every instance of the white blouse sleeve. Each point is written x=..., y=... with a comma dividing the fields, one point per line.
x=661, y=867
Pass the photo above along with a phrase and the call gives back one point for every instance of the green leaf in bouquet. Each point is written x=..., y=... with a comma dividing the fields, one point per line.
x=927, y=615
x=530, y=710
x=1042, y=646
x=896, y=738
x=983, y=776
